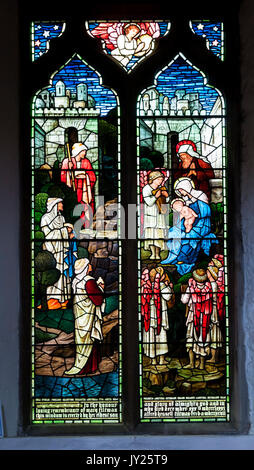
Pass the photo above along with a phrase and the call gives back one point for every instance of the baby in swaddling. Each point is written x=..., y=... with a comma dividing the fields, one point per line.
x=186, y=213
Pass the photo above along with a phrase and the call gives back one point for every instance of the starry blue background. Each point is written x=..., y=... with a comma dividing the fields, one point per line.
x=212, y=32
x=39, y=35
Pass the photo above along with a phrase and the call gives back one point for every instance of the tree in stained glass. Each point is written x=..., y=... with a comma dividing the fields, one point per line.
x=128, y=42
x=182, y=175
x=76, y=280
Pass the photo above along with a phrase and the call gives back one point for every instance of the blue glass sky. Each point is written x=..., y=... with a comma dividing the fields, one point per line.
x=76, y=72
x=211, y=32
x=43, y=32
x=181, y=75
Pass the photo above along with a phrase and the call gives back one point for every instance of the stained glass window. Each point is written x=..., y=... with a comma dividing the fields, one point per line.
x=78, y=282
x=182, y=248
x=76, y=273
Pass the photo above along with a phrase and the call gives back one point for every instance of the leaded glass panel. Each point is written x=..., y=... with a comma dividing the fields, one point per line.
x=77, y=229
x=76, y=251
x=182, y=177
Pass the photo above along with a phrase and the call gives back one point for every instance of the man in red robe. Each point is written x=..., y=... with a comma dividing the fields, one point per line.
x=194, y=167
x=77, y=173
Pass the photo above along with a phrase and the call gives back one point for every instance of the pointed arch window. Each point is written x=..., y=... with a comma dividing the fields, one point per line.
x=183, y=265
x=130, y=332
x=76, y=259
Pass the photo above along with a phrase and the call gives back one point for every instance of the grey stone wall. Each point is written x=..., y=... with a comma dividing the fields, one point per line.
x=54, y=137
x=247, y=193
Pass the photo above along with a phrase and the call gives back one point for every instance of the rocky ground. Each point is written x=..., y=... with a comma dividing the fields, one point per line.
x=172, y=379
x=55, y=356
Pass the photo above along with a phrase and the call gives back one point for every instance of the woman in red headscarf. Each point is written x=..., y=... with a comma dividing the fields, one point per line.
x=194, y=166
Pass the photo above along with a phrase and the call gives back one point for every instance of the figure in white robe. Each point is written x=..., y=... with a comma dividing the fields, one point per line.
x=127, y=45
x=155, y=227
x=156, y=292
x=88, y=306
x=57, y=243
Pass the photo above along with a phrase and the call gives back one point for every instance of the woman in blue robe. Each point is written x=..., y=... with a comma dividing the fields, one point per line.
x=184, y=247
x=71, y=253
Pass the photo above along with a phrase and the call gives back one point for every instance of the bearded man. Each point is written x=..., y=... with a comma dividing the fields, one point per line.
x=193, y=166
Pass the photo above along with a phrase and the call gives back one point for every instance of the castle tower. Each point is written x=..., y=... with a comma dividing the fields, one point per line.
x=61, y=100
x=154, y=99
x=146, y=102
x=174, y=104
x=82, y=92
x=182, y=105
x=81, y=100
x=180, y=94
x=60, y=88
x=45, y=96
x=165, y=105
